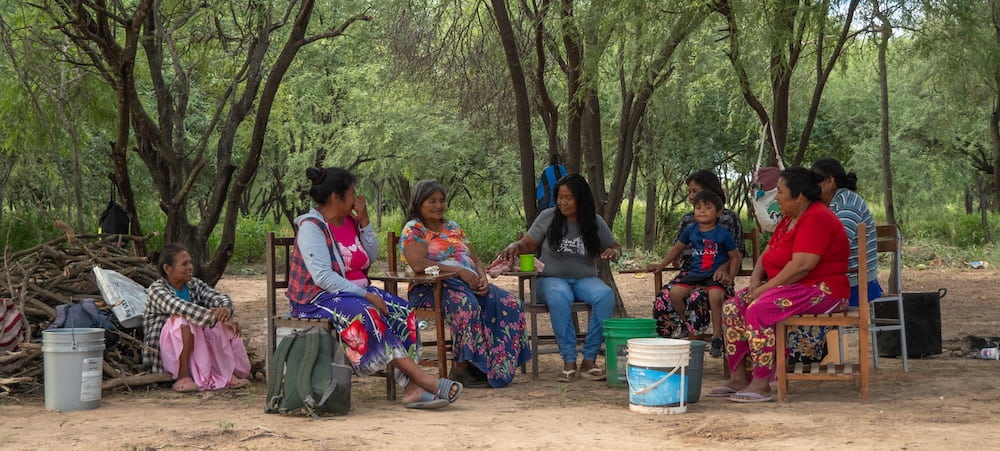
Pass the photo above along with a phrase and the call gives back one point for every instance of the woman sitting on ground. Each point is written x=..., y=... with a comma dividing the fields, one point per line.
x=696, y=318
x=334, y=247
x=570, y=237
x=803, y=270
x=487, y=323
x=190, y=329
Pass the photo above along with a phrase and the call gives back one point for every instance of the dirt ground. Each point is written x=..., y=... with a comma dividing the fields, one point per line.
x=944, y=402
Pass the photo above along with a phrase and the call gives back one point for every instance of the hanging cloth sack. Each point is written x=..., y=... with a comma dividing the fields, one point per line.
x=765, y=207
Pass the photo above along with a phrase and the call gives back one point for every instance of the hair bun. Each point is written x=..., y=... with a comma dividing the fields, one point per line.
x=315, y=175
x=852, y=178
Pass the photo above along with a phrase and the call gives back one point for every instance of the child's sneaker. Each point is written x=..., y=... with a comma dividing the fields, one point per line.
x=716, y=349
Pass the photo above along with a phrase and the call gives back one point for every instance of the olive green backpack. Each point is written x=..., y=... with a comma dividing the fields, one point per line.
x=310, y=375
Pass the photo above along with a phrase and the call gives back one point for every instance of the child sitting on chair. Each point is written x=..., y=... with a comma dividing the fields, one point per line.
x=713, y=248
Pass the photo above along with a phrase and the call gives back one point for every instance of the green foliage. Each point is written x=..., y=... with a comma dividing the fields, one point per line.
x=22, y=229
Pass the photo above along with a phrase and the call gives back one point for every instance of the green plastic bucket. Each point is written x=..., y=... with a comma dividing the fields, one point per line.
x=617, y=331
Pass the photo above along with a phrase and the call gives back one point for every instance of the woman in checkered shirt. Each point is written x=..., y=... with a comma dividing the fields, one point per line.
x=190, y=329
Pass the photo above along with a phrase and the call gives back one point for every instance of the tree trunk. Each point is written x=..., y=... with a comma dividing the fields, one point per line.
x=649, y=235
x=631, y=202
x=883, y=83
x=576, y=100
x=995, y=116
x=522, y=108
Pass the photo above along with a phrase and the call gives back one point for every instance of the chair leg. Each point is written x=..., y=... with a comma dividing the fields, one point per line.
x=534, y=345
x=390, y=383
x=780, y=360
x=902, y=336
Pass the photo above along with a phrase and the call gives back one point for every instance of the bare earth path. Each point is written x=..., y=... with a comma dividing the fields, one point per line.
x=944, y=402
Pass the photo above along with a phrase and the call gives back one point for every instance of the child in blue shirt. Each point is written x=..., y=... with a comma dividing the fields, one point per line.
x=715, y=257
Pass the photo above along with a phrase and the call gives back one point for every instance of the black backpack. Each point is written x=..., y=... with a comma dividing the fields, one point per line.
x=546, y=180
x=115, y=220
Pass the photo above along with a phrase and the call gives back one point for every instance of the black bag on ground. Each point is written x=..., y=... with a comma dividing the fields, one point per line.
x=309, y=375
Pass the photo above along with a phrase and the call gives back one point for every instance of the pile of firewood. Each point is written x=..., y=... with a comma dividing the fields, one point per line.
x=59, y=272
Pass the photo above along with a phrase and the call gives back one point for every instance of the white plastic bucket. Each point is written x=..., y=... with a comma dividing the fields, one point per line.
x=657, y=375
x=73, y=366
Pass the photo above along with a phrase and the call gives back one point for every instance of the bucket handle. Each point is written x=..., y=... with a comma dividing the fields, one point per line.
x=655, y=384
x=942, y=292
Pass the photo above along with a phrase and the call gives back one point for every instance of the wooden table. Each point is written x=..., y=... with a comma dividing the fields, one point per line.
x=391, y=279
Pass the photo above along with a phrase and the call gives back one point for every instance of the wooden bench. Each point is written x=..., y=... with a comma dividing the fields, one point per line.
x=279, y=255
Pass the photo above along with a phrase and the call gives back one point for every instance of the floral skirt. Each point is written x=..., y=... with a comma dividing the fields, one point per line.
x=750, y=324
x=372, y=339
x=487, y=331
x=699, y=312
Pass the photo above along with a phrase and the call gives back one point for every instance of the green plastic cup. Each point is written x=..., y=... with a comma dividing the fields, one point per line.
x=527, y=262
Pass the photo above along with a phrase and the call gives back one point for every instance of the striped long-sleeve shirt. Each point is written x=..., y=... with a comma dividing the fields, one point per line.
x=851, y=209
x=162, y=302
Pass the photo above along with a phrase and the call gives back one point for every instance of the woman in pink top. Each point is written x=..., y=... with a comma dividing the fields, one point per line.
x=803, y=270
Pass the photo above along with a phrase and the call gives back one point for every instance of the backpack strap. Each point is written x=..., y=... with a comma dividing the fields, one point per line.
x=275, y=387
x=305, y=372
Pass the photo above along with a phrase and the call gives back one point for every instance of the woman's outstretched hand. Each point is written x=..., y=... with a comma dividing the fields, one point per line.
x=511, y=252
x=611, y=253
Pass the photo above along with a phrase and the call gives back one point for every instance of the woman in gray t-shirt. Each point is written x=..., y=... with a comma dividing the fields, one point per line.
x=570, y=236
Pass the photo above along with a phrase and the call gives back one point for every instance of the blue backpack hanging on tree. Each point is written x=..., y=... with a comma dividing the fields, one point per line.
x=544, y=197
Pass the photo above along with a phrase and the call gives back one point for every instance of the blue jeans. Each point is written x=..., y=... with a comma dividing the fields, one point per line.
x=559, y=294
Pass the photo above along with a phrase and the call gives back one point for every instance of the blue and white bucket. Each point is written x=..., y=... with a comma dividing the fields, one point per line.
x=657, y=375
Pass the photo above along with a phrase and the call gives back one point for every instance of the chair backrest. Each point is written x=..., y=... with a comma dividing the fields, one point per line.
x=890, y=240
x=392, y=251
x=279, y=254
x=753, y=236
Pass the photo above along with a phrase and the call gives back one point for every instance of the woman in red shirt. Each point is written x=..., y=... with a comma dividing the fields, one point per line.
x=803, y=270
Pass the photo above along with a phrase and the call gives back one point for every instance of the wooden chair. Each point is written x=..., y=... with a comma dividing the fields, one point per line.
x=435, y=313
x=279, y=254
x=534, y=307
x=855, y=317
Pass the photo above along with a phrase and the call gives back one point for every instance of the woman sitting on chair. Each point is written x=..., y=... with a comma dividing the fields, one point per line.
x=487, y=323
x=334, y=247
x=571, y=236
x=803, y=270
x=191, y=330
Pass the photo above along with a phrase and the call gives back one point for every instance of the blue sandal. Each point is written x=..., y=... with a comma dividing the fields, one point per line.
x=427, y=401
x=444, y=389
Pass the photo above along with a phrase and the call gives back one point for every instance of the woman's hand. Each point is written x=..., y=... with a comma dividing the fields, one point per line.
x=233, y=326
x=611, y=253
x=511, y=252
x=654, y=267
x=377, y=302
x=221, y=314
x=472, y=279
x=361, y=210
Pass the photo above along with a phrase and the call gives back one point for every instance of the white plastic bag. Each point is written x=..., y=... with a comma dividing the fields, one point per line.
x=766, y=210
x=125, y=296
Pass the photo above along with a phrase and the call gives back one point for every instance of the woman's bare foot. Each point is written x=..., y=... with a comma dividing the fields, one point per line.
x=236, y=382
x=185, y=385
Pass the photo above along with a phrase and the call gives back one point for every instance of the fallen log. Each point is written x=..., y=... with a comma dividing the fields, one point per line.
x=139, y=379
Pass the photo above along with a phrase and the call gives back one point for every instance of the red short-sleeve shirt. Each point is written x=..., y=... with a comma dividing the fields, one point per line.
x=818, y=231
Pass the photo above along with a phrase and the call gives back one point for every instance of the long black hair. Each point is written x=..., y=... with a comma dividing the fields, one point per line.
x=586, y=215
x=329, y=181
x=830, y=167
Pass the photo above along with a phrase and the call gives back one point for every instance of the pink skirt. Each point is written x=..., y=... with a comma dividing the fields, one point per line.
x=218, y=354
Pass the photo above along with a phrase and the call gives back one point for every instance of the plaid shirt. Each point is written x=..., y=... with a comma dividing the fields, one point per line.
x=162, y=302
x=302, y=289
